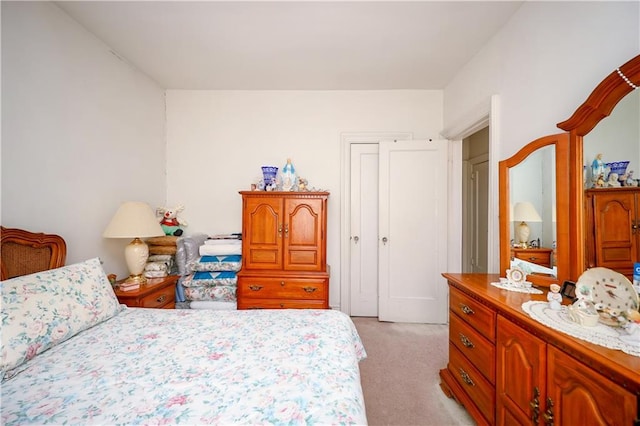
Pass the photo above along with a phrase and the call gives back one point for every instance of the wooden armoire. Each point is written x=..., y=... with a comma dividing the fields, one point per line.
x=284, y=251
x=612, y=225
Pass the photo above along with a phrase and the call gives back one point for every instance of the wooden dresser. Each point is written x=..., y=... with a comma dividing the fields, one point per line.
x=506, y=368
x=156, y=293
x=284, y=255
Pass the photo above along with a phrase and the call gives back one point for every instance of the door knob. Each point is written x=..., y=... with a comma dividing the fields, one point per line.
x=356, y=239
x=384, y=240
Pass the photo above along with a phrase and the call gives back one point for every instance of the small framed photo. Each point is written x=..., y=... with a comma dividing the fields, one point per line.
x=568, y=290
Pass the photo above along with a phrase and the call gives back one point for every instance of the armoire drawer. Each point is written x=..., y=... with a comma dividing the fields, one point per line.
x=282, y=288
x=480, y=317
x=280, y=304
x=477, y=349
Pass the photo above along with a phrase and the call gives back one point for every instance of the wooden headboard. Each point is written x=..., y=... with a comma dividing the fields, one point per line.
x=23, y=252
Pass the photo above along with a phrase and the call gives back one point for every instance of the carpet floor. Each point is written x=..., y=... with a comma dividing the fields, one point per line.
x=400, y=378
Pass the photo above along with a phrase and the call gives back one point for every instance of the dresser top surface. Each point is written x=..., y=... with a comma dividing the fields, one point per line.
x=509, y=304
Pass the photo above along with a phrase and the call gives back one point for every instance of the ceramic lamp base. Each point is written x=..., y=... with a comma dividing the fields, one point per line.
x=136, y=254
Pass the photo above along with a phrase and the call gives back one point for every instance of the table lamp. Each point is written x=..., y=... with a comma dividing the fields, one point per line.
x=135, y=220
x=524, y=212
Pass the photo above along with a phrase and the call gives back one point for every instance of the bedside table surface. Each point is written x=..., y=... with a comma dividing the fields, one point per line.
x=156, y=293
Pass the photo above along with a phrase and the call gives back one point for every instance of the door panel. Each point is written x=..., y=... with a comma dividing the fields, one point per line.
x=302, y=234
x=480, y=218
x=412, y=231
x=521, y=363
x=364, y=230
x=263, y=233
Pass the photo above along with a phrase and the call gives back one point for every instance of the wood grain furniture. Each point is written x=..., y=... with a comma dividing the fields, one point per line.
x=157, y=293
x=598, y=106
x=23, y=252
x=284, y=238
x=552, y=147
x=612, y=228
x=506, y=368
x=540, y=256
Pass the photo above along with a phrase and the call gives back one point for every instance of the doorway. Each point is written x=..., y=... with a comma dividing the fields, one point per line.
x=475, y=202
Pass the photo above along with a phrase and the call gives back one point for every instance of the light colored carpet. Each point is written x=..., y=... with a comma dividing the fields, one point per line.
x=400, y=378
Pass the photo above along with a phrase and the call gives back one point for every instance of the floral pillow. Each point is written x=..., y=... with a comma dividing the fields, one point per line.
x=44, y=309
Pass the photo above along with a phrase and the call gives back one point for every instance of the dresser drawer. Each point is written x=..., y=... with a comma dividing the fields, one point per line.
x=280, y=304
x=538, y=256
x=481, y=392
x=480, y=317
x=477, y=349
x=282, y=288
x=162, y=298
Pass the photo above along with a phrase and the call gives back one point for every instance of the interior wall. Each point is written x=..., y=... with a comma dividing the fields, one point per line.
x=218, y=140
x=543, y=64
x=82, y=131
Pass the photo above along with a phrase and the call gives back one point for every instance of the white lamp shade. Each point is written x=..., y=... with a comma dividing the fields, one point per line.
x=134, y=219
x=525, y=212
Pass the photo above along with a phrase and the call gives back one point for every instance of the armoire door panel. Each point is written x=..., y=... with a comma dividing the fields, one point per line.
x=262, y=233
x=616, y=244
x=303, y=234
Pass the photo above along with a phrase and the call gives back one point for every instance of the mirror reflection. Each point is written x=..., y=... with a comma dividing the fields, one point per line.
x=532, y=201
x=616, y=139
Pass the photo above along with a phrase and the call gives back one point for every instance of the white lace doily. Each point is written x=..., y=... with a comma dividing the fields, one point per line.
x=602, y=335
x=529, y=290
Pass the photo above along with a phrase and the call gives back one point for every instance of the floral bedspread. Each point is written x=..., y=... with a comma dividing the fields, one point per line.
x=156, y=366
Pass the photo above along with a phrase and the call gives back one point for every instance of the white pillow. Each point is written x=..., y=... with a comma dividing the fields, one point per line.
x=44, y=309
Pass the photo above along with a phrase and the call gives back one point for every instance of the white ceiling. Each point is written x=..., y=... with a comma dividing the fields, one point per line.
x=301, y=45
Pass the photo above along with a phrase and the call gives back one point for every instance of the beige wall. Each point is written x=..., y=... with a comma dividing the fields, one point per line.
x=82, y=131
x=218, y=140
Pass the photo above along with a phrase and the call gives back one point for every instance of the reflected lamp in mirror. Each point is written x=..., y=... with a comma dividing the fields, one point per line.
x=134, y=220
x=524, y=212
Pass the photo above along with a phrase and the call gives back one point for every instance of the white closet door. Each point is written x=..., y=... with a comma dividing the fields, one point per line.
x=412, y=231
x=364, y=230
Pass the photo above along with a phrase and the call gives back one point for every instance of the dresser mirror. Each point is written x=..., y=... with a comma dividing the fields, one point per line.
x=533, y=194
x=616, y=91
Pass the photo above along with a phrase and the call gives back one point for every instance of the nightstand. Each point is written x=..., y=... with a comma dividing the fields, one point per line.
x=539, y=256
x=159, y=293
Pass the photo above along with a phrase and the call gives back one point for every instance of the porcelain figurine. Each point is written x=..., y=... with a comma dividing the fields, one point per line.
x=554, y=297
x=288, y=176
x=598, y=171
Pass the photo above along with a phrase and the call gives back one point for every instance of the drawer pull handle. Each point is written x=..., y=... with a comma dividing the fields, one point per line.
x=548, y=414
x=255, y=287
x=161, y=298
x=282, y=305
x=310, y=289
x=465, y=377
x=467, y=310
x=466, y=342
x=535, y=406
x=282, y=283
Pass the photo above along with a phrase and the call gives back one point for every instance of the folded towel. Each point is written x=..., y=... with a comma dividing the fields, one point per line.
x=155, y=274
x=156, y=266
x=220, y=249
x=222, y=242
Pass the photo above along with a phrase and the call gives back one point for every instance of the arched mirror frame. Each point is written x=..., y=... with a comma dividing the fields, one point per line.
x=598, y=106
x=561, y=143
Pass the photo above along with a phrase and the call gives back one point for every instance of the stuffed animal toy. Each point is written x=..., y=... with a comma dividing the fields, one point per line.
x=170, y=221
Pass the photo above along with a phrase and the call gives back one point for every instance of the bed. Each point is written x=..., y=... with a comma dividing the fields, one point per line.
x=71, y=354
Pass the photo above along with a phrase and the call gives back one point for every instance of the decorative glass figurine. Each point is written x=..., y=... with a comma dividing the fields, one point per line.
x=288, y=176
